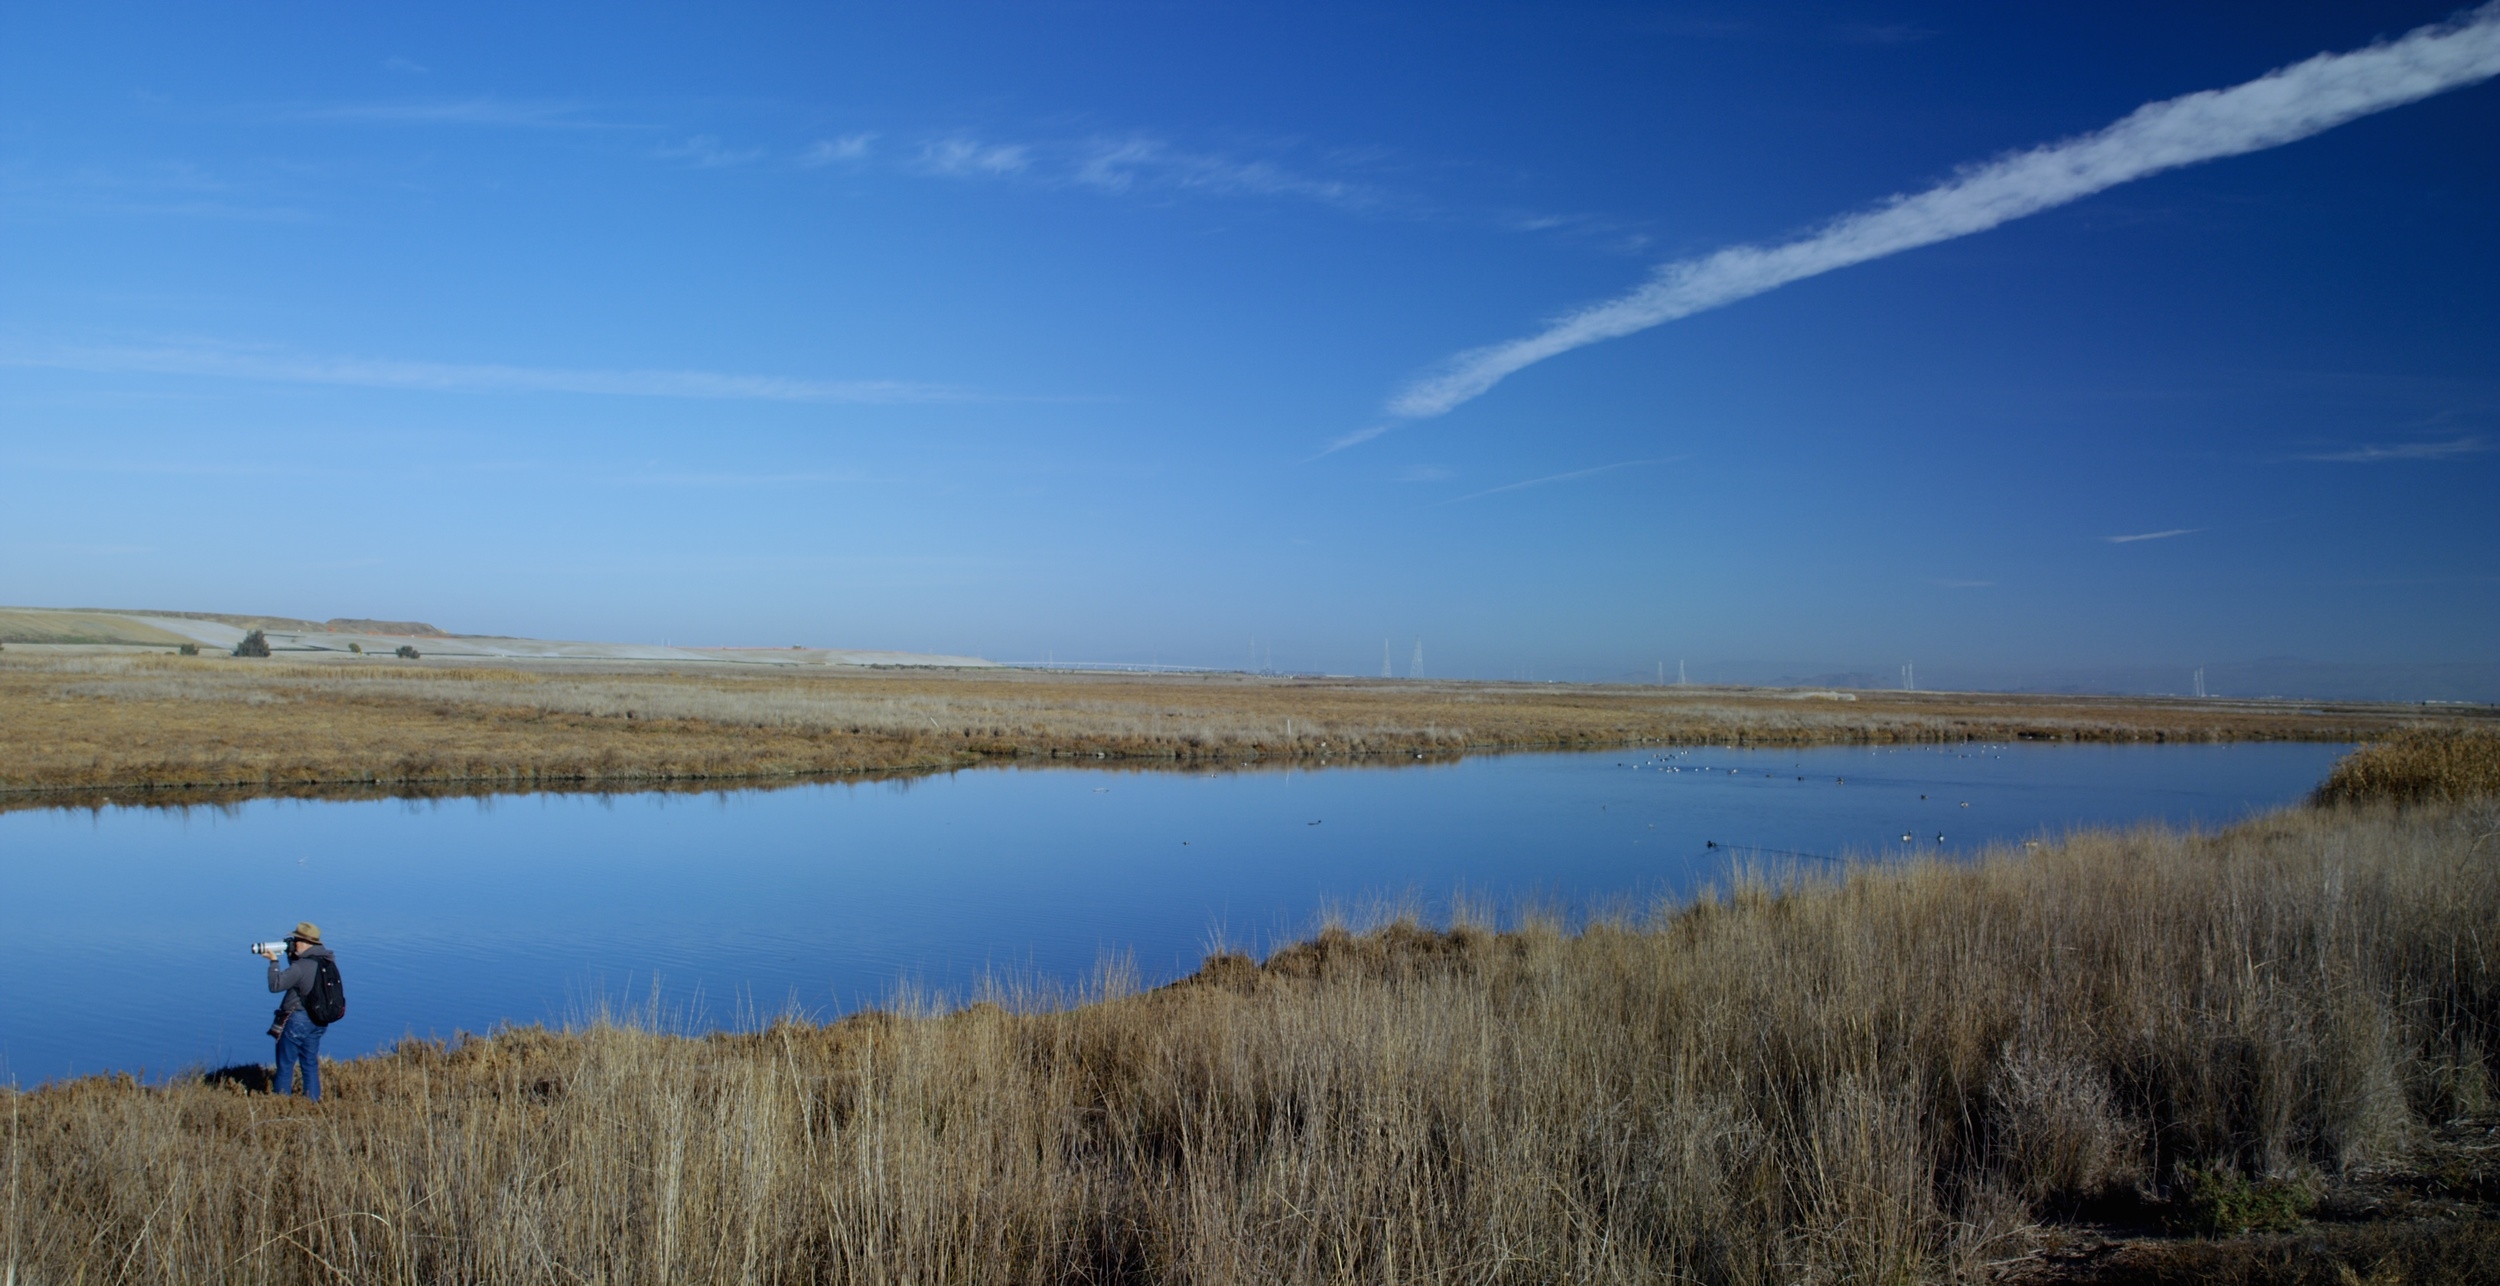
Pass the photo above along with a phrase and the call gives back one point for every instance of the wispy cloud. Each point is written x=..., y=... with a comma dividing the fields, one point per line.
x=1133, y=162
x=231, y=211
x=57, y=547
x=405, y=66
x=174, y=189
x=959, y=156
x=154, y=466
x=2280, y=107
x=826, y=151
x=2378, y=454
x=706, y=152
x=1120, y=163
x=1556, y=477
x=1354, y=439
x=728, y=480
x=504, y=113
x=1142, y=165
x=1964, y=584
x=1424, y=473
x=223, y=361
x=1124, y=164
x=2152, y=535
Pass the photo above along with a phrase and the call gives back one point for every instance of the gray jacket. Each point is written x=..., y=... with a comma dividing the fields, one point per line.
x=297, y=979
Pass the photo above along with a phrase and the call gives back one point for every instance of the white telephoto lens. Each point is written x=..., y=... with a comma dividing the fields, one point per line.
x=263, y=948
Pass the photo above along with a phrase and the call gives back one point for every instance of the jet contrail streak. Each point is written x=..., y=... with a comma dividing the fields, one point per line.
x=1555, y=477
x=2282, y=106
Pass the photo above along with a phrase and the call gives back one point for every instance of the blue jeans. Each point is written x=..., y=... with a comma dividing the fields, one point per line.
x=299, y=1043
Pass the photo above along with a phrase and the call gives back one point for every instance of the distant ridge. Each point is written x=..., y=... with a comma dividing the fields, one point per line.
x=353, y=636
x=335, y=625
x=2274, y=677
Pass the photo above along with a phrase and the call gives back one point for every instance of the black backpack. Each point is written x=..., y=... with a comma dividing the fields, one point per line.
x=328, y=1002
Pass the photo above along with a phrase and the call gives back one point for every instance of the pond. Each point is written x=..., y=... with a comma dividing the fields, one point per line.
x=130, y=923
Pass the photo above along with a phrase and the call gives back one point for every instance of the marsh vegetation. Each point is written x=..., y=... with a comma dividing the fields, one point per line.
x=1887, y=1074
x=183, y=728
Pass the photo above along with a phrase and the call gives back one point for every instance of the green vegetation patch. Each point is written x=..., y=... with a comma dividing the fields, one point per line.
x=2223, y=1203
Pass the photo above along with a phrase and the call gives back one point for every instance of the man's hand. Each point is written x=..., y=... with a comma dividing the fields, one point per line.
x=270, y=956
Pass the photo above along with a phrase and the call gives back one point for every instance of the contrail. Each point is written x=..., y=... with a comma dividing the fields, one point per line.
x=1556, y=477
x=2152, y=535
x=2282, y=106
x=2470, y=444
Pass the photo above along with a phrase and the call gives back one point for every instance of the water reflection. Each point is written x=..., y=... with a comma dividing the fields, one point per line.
x=454, y=913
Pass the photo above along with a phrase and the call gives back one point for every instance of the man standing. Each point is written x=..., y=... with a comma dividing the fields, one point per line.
x=299, y=1037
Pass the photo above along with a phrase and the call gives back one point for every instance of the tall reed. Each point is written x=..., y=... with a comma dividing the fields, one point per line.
x=2436, y=762
x=1884, y=1076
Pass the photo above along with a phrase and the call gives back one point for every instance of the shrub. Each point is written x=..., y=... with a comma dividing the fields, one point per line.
x=188, y=649
x=2220, y=1203
x=406, y=652
x=357, y=648
x=253, y=644
x=2417, y=764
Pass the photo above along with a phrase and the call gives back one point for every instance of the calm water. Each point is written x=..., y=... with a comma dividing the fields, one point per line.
x=128, y=925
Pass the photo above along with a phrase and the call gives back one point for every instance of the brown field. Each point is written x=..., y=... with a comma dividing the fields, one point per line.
x=89, y=726
x=2051, y=1065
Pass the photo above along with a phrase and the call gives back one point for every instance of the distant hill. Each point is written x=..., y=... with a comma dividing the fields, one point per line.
x=42, y=625
x=356, y=636
x=2289, y=677
x=359, y=625
x=335, y=625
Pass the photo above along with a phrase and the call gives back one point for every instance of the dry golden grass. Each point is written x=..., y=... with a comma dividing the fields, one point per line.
x=2418, y=764
x=213, y=727
x=1888, y=1076
x=22, y=626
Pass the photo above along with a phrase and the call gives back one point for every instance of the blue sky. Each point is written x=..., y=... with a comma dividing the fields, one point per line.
x=1028, y=330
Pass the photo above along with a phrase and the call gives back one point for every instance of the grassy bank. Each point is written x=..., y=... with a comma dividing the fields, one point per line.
x=1899, y=1074
x=91, y=728
x=2417, y=765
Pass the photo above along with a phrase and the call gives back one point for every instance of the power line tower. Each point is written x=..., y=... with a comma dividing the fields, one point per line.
x=2200, y=681
x=1385, y=672
x=1909, y=677
x=1416, y=671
